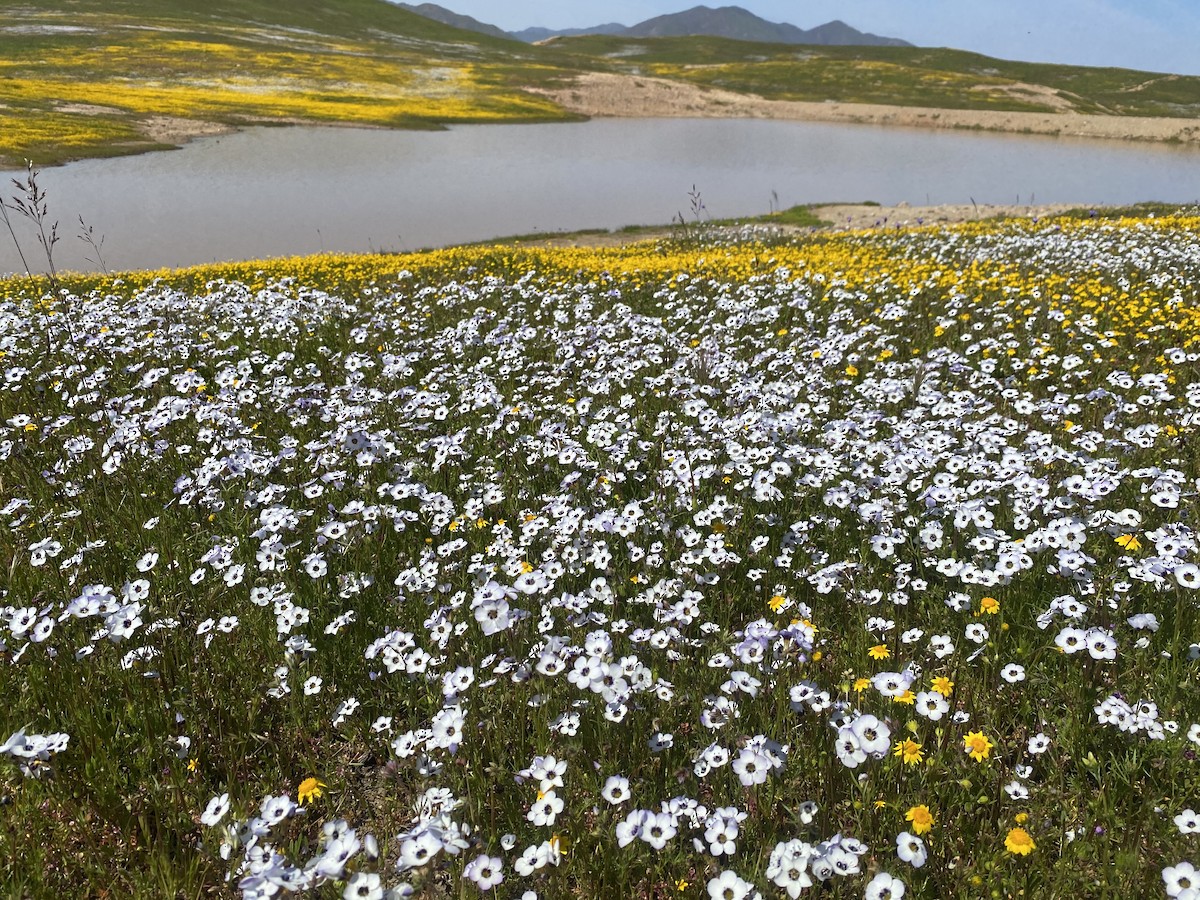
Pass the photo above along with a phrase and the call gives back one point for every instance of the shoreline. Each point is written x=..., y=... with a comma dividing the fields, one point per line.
x=596, y=95
x=836, y=217
x=610, y=95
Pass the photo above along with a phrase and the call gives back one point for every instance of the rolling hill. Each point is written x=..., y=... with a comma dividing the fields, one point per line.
x=931, y=77
x=86, y=78
x=102, y=77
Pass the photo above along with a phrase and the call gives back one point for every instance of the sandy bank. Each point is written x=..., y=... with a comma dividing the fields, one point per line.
x=855, y=216
x=178, y=130
x=604, y=94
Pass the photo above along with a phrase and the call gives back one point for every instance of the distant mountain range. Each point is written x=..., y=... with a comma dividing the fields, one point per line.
x=532, y=35
x=726, y=21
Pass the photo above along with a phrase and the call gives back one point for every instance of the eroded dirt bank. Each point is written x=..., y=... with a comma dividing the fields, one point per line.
x=607, y=94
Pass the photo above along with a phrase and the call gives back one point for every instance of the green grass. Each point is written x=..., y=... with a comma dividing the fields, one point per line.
x=1148, y=209
x=534, y=236
x=797, y=216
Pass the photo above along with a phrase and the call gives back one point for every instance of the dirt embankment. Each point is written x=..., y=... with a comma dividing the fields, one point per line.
x=606, y=94
x=177, y=130
x=855, y=216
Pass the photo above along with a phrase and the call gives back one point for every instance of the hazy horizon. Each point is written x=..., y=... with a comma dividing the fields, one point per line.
x=1153, y=35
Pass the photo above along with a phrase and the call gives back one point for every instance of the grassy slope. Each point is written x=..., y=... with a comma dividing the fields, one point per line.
x=81, y=78
x=907, y=76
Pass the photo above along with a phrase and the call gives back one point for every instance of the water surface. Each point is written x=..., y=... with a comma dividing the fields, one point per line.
x=283, y=191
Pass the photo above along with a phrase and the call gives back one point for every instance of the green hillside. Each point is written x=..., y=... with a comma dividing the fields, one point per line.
x=343, y=18
x=904, y=76
x=81, y=78
x=85, y=78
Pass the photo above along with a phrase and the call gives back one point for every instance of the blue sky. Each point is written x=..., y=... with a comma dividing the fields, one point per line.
x=1156, y=35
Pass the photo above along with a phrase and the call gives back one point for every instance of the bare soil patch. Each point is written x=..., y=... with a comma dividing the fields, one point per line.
x=160, y=129
x=87, y=109
x=1032, y=93
x=858, y=216
x=609, y=94
x=176, y=130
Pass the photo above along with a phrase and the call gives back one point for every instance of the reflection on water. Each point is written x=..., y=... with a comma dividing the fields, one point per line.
x=282, y=191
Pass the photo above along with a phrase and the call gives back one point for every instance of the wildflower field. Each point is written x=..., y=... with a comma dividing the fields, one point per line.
x=863, y=564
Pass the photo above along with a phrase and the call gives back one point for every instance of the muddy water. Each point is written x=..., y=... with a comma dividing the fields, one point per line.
x=282, y=191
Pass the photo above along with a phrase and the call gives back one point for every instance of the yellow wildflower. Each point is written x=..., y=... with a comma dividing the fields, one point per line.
x=943, y=686
x=1019, y=843
x=310, y=789
x=977, y=745
x=989, y=605
x=879, y=651
x=921, y=819
x=1129, y=542
x=909, y=751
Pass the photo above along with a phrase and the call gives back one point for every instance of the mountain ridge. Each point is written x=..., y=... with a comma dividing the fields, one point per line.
x=741, y=24
x=457, y=20
x=535, y=34
x=732, y=22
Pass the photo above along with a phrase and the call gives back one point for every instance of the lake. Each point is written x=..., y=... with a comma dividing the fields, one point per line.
x=283, y=191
